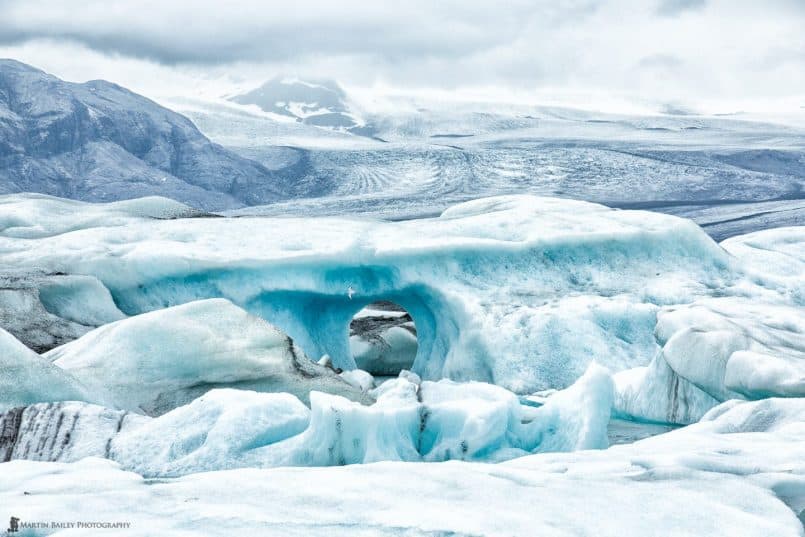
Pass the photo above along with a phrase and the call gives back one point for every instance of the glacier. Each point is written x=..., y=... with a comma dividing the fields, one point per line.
x=304, y=148
x=518, y=291
x=180, y=351
x=26, y=377
x=731, y=174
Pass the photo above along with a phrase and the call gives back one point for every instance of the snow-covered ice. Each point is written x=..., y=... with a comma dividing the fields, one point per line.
x=229, y=428
x=26, y=378
x=31, y=216
x=160, y=360
x=714, y=350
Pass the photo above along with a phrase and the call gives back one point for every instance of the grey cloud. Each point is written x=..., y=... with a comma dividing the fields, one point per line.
x=213, y=32
x=718, y=48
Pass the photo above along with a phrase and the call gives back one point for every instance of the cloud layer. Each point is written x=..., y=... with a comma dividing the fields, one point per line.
x=668, y=49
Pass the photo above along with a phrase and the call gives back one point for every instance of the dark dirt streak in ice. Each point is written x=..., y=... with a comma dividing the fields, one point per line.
x=297, y=362
x=9, y=432
x=108, y=448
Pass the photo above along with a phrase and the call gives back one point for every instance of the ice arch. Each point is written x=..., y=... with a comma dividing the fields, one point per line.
x=320, y=322
x=517, y=290
x=317, y=315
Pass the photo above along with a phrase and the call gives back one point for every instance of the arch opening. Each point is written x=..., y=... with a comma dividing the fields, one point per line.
x=383, y=338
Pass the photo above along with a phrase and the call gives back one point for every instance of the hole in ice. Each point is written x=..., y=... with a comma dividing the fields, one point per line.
x=383, y=338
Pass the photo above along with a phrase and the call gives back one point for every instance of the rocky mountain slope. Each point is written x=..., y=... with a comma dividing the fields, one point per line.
x=97, y=141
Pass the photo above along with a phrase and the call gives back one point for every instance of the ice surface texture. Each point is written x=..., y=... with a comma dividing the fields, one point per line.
x=425, y=157
x=100, y=142
x=521, y=291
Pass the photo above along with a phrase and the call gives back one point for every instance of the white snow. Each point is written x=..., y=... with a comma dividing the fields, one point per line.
x=32, y=216
x=779, y=251
x=219, y=430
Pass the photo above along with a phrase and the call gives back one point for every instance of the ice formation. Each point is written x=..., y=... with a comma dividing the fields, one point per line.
x=170, y=318
x=63, y=431
x=27, y=378
x=160, y=360
x=739, y=472
x=228, y=428
x=33, y=216
x=715, y=350
x=520, y=291
x=47, y=310
x=222, y=429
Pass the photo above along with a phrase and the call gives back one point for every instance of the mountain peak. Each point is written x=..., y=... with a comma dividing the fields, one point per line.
x=10, y=63
x=322, y=103
x=12, y=68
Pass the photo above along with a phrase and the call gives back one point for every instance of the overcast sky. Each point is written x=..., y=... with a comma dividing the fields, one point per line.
x=676, y=51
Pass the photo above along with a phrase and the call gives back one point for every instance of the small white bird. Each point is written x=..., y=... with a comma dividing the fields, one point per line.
x=350, y=292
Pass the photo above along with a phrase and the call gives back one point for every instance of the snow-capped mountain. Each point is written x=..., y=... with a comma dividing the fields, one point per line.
x=97, y=141
x=321, y=103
